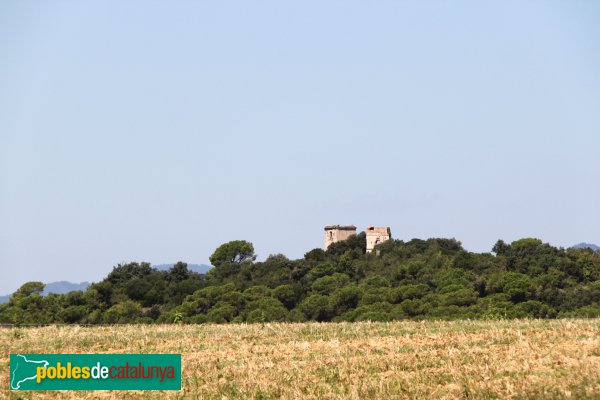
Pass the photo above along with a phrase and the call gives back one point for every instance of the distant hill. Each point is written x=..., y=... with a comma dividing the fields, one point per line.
x=587, y=246
x=199, y=268
x=61, y=287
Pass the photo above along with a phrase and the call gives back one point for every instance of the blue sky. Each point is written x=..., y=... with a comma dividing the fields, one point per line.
x=156, y=131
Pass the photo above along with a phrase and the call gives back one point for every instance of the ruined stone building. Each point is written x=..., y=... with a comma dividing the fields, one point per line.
x=337, y=233
x=375, y=236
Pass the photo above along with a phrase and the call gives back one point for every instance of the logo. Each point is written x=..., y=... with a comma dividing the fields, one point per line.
x=95, y=371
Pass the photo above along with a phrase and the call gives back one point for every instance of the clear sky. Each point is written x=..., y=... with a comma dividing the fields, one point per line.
x=156, y=131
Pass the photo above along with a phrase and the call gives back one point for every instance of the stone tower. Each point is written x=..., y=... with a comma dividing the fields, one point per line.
x=337, y=233
x=376, y=235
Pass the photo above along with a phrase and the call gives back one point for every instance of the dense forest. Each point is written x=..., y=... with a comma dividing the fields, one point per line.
x=418, y=279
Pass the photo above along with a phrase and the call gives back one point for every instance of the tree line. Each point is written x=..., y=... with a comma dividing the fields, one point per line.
x=418, y=279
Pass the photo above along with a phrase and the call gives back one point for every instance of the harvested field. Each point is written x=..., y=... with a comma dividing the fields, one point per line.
x=444, y=360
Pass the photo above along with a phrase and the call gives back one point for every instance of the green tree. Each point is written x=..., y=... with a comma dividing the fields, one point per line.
x=409, y=292
x=122, y=313
x=28, y=289
x=345, y=299
x=316, y=307
x=315, y=255
x=500, y=248
x=519, y=287
x=266, y=309
x=236, y=251
x=320, y=271
x=287, y=295
x=327, y=284
x=414, y=307
x=222, y=313
x=178, y=272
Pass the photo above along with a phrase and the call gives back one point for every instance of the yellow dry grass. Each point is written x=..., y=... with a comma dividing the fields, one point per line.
x=524, y=359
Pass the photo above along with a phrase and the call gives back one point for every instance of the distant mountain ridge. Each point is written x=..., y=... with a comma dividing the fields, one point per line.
x=62, y=287
x=587, y=246
x=198, y=268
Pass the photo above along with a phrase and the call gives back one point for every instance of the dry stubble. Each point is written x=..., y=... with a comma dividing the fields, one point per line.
x=460, y=359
